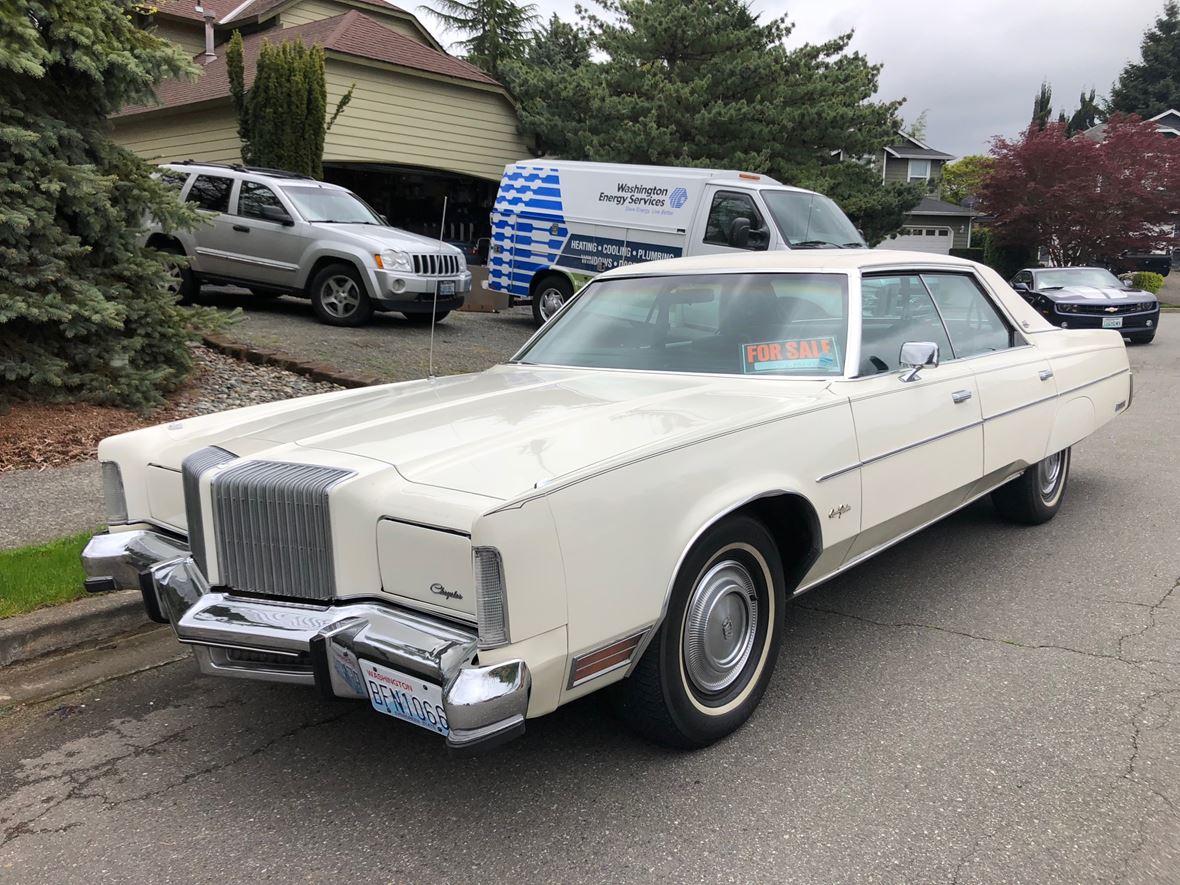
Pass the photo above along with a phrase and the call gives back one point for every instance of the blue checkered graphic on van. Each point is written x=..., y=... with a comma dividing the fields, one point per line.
x=528, y=228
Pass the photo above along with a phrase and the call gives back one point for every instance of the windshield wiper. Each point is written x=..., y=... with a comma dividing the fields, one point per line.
x=856, y=245
x=1047, y=288
x=339, y=221
x=814, y=244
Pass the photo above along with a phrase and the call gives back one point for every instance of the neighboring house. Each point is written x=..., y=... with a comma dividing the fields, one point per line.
x=1167, y=124
x=932, y=225
x=422, y=124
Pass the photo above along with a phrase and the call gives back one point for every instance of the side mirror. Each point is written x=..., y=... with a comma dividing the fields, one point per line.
x=1022, y=288
x=278, y=214
x=915, y=356
x=739, y=233
x=1127, y=284
x=384, y=220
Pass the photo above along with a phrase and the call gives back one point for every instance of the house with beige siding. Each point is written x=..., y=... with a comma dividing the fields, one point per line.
x=422, y=125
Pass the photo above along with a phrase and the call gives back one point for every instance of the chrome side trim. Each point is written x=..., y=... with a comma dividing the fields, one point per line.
x=1022, y=406
x=921, y=442
x=1078, y=387
x=839, y=472
x=244, y=259
x=426, y=525
x=868, y=554
x=641, y=649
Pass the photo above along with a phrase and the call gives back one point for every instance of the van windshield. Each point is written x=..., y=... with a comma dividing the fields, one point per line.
x=811, y=221
x=731, y=324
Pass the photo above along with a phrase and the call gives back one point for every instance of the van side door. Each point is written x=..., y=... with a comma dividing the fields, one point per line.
x=730, y=220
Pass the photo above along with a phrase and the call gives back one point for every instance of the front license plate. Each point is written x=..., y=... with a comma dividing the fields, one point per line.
x=1112, y=322
x=407, y=697
x=446, y=288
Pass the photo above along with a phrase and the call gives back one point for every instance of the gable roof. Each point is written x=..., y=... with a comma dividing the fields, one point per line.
x=226, y=11
x=912, y=140
x=908, y=153
x=352, y=33
x=935, y=206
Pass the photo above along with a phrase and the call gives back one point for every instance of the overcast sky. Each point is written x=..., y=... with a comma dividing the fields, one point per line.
x=974, y=66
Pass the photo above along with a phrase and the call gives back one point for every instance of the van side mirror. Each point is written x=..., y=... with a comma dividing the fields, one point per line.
x=739, y=233
x=917, y=355
x=277, y=213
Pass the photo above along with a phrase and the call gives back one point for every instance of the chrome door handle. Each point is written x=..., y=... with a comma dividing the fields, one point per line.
x=1046, y=374
x=241, y=228
x=961, y=396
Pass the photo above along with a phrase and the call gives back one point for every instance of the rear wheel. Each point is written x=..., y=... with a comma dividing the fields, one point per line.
x=551, y=294
x=1035, y=496
x=339, y=296
x=710, y=661
x=180, y=281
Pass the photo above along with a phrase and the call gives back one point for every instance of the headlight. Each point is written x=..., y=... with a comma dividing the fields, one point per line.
x=113, y=496
x=491, y=597
x=1067, y=308
x=391, y=259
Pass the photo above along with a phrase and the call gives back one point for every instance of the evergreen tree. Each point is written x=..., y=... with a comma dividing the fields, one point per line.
x=281, y=117
x=705, y=83
x=496, y=30
x=1152, y=85
x=1042, y=106
x=1088, y=114
x=84, y=312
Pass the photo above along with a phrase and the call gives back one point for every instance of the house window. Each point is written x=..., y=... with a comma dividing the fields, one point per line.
x=919, y=170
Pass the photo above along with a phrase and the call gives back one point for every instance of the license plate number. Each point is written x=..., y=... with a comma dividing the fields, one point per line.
x=446, y=288
x=1112, y=322
x=404, y=696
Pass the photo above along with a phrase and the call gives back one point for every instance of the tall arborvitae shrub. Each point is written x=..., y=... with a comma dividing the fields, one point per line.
x=281, y=117
x=84, y=314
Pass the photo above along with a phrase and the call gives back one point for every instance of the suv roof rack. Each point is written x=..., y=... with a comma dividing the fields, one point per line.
x=239, y=167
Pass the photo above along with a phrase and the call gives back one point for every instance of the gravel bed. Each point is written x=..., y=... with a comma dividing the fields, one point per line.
x=389, y=348
x=221, y=382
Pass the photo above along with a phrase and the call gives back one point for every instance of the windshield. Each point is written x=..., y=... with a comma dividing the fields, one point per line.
x=329, y=205
x=810, y=221
x=1077, y=276
x=732, y=324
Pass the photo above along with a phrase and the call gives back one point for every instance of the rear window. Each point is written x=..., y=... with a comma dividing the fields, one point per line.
x=174, y=178
x=733, y=324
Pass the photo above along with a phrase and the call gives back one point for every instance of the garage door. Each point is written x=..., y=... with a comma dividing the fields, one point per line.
x=921, y=239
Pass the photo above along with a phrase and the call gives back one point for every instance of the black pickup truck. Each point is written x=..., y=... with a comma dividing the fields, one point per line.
x=1130, y=262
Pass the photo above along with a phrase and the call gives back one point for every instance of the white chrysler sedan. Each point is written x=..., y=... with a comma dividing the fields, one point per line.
x=629, y=503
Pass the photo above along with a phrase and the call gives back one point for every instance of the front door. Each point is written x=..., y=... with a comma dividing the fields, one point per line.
x=733, y=222
x=265, y=250
x=920, y=442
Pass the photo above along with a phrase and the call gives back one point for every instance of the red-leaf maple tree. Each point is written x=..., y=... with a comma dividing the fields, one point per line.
x=1082, y=199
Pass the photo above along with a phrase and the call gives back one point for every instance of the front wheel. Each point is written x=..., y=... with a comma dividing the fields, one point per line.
x=551, y=295
x=712, y=657
x=1035, y=496
x=339, y=298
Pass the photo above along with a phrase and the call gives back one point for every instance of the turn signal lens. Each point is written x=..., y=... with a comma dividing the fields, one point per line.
x=113, y=496
x=491, y=597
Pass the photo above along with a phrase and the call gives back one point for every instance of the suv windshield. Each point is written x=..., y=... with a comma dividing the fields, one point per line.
x=1077, y=276
x=732, y=324
x=810, y=221
x=330, y=206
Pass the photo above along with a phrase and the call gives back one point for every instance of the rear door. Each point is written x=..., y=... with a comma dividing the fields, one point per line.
x=214, y=238
x=920, y=442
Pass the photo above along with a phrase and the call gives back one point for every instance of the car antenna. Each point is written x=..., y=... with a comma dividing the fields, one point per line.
x=434, y=306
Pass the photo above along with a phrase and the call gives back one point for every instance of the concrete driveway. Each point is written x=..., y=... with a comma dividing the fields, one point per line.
x=983, y=703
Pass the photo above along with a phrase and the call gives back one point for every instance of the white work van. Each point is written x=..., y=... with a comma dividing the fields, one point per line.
x=556, y=223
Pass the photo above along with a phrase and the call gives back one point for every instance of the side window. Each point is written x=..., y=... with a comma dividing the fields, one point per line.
x=252, y=197
x=728, y=217
x=895, y=309
x=211, y=193
x=174, y=178
x=971, y=319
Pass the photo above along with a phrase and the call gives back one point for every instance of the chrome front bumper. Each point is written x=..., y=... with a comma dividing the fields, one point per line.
x=313, y=644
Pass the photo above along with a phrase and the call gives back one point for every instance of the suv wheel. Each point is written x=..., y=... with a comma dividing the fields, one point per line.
x=339, y=296
x=180, y=281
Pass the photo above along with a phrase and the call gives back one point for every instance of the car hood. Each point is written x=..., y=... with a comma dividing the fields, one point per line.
x=504, y=432
x=1090, y=294
x=378, y=237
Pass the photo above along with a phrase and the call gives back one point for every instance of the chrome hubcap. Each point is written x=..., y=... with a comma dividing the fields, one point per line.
x=1049, y=475
x=173, y=280
x=551, y=302
x=340, y=296
x=720, y=626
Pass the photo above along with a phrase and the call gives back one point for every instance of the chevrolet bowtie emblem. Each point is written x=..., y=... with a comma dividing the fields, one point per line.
x=1112, y=310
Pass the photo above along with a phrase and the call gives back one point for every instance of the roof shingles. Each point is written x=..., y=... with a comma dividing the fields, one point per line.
x=352, y=33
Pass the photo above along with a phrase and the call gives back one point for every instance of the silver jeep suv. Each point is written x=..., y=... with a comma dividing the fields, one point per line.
x=279, y=233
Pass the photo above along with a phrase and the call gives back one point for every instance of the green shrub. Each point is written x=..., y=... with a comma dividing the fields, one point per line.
x=83, y=311
x=1148, y=281
x=974, y=253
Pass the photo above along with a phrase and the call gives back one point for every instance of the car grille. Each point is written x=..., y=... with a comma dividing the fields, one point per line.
x=436, y=265
x=272, y=528
x=190, y=480
x=1103, y=308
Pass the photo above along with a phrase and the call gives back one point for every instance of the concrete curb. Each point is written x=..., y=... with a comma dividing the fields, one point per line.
x=266, y=357
x=63, y=627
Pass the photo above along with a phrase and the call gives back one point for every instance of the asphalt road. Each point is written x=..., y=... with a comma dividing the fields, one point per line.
x=983, y=703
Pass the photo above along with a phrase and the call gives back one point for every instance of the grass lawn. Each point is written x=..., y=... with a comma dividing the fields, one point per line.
x=45, y=574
